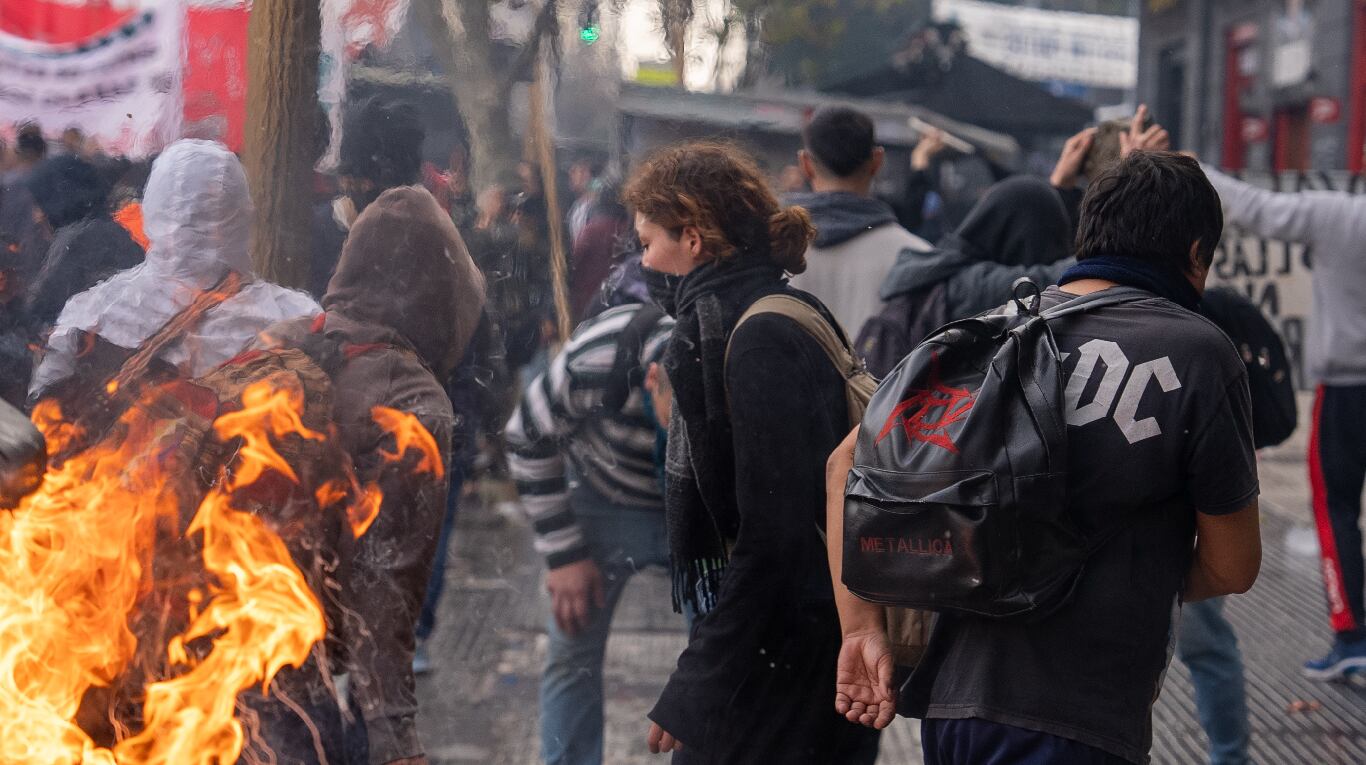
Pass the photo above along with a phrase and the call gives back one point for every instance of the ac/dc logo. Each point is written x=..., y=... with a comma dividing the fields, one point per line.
x=913, y=414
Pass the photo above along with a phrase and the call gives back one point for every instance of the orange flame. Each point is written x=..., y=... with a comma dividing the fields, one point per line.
x=77, y=556
x=409, y=434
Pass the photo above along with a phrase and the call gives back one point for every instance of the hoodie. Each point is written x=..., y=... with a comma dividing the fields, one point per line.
x=403, y=304
x=1020, y=228
x=857, y=242
x=197, y=213
x=1333, y=225
x=87, y=245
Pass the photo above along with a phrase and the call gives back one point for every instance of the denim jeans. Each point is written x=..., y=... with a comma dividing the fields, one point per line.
x=623, y=540
x=436, y=584
x=1206, y=644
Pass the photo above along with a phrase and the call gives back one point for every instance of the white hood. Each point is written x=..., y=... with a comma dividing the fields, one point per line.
x=197, y=214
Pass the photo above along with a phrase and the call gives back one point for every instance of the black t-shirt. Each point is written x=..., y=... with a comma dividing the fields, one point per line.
x=1159, y=428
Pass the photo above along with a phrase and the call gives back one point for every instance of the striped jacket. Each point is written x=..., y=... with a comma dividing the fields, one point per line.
x=559, y=416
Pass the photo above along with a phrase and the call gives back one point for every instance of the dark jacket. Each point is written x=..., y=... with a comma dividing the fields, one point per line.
x=595, y=252
x=87, y=247
x=408, y=295
x=755, y=683
x=83, y=254
x=1020, y=228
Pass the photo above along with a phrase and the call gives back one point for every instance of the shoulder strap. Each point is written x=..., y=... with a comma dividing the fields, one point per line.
x=175, y=328
x=812, y=322
x=626, y=367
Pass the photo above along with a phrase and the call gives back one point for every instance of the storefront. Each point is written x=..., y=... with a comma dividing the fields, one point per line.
x=1259, y=85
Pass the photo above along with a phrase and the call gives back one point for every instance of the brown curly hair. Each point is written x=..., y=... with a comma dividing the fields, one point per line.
x=718, y=188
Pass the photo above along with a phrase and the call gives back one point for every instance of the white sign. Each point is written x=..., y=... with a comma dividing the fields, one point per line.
x=1081, y=48
x=122, y=88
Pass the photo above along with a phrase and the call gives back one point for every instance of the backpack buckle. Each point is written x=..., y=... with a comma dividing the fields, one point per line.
x=1023, y=288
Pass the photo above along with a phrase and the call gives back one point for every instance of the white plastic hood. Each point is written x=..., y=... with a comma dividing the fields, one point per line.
x=197, y=214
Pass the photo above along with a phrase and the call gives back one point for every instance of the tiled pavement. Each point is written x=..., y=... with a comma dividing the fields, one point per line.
x=480, y=704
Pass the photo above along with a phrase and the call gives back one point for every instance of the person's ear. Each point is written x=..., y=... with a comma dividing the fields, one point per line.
x=692, y=241
x=875, y=162
x=652, y=378
x=1198, y=272
x=807, y=164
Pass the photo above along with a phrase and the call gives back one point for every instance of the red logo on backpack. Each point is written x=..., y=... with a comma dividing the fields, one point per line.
x=913, y=413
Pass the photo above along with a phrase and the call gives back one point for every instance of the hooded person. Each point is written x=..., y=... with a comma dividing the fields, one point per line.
x=87, y=245
x=1020, y=228
x=197, y=214
x=381, y=148
x=402, y=307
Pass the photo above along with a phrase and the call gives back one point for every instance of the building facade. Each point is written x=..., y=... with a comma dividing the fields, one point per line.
x=1259, y=85
x=1275, y=92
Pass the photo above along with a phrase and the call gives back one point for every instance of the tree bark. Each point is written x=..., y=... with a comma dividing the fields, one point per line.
x=282, y=108
x=459, y=31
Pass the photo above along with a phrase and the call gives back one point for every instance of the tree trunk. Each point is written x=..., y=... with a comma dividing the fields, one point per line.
x=459, y=31
x=282, y=109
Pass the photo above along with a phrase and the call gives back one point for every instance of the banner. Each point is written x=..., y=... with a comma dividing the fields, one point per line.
x=121, y=87
x=1083, y=48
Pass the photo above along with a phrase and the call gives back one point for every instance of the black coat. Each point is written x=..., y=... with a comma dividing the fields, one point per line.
x=756, y=683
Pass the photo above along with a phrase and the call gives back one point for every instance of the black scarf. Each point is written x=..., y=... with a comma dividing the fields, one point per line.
x=700, y=506
x=1152, y=276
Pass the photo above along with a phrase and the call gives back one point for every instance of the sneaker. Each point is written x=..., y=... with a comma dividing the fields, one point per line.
x=422, y=663
x=1345, y=659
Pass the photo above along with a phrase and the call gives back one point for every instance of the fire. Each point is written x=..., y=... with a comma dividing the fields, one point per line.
x=78, y=560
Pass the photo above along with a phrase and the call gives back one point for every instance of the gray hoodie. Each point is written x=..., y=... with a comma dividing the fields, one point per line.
x=1333, y=225
x=857, y=242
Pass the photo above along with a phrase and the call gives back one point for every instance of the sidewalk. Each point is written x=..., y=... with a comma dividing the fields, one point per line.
x=479, y=706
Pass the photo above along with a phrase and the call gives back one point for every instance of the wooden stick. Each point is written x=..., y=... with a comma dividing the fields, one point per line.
x=545, y=157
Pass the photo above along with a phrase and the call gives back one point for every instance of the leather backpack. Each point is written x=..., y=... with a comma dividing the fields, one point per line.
x=957, y=500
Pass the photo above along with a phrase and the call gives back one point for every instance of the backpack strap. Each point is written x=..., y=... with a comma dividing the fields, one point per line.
x=813, y=323
x=175, y=328
x=627, y=371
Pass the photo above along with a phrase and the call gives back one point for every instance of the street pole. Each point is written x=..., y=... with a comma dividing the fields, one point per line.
x=282, y=108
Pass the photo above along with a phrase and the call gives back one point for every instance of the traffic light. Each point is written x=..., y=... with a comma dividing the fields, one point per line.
x=589, y=29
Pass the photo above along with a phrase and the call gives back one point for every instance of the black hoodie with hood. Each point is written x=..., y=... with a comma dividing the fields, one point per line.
x=1020, y=227
x=87, y=246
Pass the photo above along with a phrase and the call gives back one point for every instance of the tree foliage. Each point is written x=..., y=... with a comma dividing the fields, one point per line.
x=810, y=42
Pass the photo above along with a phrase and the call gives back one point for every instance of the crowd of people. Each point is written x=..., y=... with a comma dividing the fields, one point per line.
x=704, y=417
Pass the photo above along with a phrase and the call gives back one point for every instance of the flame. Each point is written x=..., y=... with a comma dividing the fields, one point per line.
x=77, y=560
x=408, y=434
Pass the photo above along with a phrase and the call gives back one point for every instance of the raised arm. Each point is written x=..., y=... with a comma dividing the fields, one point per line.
x=1303, y=216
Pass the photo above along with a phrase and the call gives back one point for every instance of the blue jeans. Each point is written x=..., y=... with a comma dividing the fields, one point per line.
x=623, y=541
x=1209, y=649
x=426, y=619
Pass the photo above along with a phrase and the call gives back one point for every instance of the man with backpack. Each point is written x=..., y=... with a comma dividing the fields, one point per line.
x=1056, y=498
x=593, y=407
x=857, y=236
x=1331, y=225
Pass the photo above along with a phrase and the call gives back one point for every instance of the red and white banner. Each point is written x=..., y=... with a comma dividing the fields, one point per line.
x=189, y=62
x=121, y=85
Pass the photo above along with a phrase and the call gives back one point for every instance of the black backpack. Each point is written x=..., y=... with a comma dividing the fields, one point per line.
x=958, y=496
x=1274, y=415
x=898, y=328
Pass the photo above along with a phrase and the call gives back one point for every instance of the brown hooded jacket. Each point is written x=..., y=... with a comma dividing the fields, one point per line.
x=403, y=305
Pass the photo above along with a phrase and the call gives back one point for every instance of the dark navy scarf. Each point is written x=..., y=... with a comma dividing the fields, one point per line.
x=1152, y=276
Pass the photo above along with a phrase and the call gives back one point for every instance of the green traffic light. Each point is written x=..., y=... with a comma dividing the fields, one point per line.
x=590, y=35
